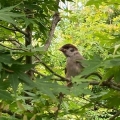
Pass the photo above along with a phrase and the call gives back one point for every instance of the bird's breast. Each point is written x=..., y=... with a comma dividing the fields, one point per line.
x=73, y=68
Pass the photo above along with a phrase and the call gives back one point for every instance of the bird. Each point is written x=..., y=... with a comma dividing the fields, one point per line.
x=73, y=64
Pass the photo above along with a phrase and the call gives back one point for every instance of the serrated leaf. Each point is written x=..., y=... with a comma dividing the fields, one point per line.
x=81, y=89
x=7, y=18
x=78, y=79
x=4, y=84
x=14, y=81
x=8, y=8
x=49, y=88
x=25, y=79
x=21, y=67
x=111, y=62
x=91, y=65
x=4, y=95
x=6, y=58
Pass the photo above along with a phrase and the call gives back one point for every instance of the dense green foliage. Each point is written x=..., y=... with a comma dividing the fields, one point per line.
x=32, y=83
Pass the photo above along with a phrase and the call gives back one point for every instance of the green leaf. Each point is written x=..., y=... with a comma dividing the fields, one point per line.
x=78, y=79
x=109, y=73
x=81, y=89
x=95, y=2
x=14, y=81
x=4, y=95
x=25, y=79
x=6, y=58
x=0, y=66
x=111, y=62
x=116, y=48
x=4, y=84
x=8, y=8
x=91, y=65
x=7, y=16
x=21, y=67
x=47, y=87
x=117, y=74
x=38, y=49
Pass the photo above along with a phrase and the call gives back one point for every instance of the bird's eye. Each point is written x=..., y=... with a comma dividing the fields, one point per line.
x=72, y=50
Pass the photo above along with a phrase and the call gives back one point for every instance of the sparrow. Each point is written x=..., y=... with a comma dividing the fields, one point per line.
x=73, y=64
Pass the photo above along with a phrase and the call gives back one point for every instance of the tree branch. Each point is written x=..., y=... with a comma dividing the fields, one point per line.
x=104, y=83
x=115, y=84
x=46, y=66
x=19, y=30
x=12, y=48
x=56, y=19
x=8, y=28
x=15, y=29
x=114, y=116
x=12, y=114
x=95, y=74
x=60, y=97
x=38, y=73
x=13, y=41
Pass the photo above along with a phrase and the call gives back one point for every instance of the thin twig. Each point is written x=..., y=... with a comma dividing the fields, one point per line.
x=14, y=30
x=12, y=114
x=115, y=84
x=104, y=83
x=12, y=48
x=46, y=66
x=60, y=97
x=19, y=30
x=41, y=74
x=10, y=40
x=114, y=116
x=95, y=74
x=8, y=28
x=15, y=42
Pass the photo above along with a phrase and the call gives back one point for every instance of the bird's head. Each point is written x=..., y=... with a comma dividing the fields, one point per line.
x=68, y=50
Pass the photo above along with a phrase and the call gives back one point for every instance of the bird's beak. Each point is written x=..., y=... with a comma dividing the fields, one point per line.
x=62, y=49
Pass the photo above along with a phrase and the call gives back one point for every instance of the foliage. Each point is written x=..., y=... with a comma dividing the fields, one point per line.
x=32, y=85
